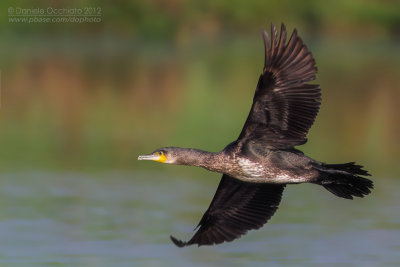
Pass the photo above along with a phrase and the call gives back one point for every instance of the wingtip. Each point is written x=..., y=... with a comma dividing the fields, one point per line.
x=266, y=47
x=177, y=242
x=295, y=34
x=265, y=34
x=283, y=27
x=273, y=29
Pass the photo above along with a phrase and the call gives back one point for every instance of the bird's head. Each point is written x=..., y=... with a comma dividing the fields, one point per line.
x=164, y=155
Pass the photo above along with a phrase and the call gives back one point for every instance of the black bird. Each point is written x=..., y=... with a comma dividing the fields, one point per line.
x=262, y=161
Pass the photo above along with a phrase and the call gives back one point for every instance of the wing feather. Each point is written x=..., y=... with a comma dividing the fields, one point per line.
x=284, y=105
x=236, y=208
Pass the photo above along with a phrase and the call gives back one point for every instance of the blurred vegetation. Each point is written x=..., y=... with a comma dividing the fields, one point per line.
x=155, y=73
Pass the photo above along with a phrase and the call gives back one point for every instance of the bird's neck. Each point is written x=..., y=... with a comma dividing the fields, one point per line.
x=200, y=158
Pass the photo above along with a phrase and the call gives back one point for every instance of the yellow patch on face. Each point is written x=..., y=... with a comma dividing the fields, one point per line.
x=161, y=157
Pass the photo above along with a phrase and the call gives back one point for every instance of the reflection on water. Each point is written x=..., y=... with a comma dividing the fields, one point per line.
x=124, y=219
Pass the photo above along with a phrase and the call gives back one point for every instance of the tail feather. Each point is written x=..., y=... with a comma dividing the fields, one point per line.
x=344, y=180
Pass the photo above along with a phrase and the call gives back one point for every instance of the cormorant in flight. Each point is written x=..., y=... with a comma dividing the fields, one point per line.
x=262, y=161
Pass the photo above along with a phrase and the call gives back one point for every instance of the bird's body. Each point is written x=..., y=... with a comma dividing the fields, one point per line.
x=271, y=166
x=262, y=161
x=249, y=164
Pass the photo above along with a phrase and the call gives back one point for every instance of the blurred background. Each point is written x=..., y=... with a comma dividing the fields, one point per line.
x=83, y=100
x=157, y=73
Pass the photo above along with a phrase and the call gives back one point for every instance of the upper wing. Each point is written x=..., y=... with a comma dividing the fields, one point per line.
x=236, y=208
x=284, y=105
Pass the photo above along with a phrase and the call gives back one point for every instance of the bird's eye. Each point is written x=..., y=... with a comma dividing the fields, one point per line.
x=160, y=153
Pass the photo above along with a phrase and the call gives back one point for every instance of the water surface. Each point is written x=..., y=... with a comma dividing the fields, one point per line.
x=125, y=219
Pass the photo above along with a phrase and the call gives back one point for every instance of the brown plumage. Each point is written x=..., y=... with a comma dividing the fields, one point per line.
x=262, y=161
x=284, y=105
x=233, y=204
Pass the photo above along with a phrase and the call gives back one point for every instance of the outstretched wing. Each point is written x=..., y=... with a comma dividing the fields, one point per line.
x=236, y=208
x=284, y=105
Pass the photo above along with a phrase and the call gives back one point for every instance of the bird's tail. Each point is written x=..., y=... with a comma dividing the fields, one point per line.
x=344, y=180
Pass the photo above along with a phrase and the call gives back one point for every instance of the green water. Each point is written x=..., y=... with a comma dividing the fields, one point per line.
x=125, y=219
